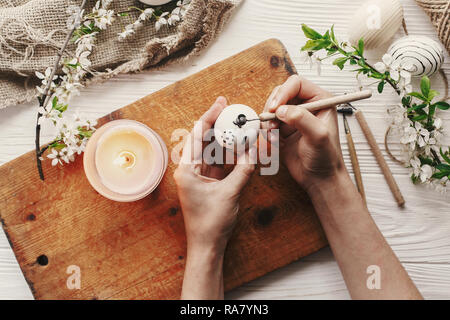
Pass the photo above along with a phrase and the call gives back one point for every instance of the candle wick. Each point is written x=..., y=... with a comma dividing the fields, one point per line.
x=125, y=159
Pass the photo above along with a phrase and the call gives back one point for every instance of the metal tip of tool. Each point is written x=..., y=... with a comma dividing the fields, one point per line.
x=346, y=126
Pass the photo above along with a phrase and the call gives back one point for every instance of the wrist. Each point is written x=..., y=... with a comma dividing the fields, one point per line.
x=205, y=255
x=337, y=191
x=206, y=248
x=319, y=188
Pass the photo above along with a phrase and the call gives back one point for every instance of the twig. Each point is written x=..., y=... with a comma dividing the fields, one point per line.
x=43, y=100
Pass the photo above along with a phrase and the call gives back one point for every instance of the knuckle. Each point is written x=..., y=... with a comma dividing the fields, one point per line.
x=248, y=169
x=322, y=136
x=179, y=176
x=294, y=77
x=295, y=114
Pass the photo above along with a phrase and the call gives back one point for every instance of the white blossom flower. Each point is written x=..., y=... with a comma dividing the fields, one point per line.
x=66, y=154
x=146, y=14
x=181, y=8
x=442, y=185
x=409, y=137
x=45, y=79
x=106, y=3
x=103, y=18
x=385, y=65
x=74, y=19
x=437, y=123
x=83, y=60
x=68, y=88
x=173, y=19
x=400, y=70
x=405, y=86
x=129, y=30
x=47, y=114
x=313, y=60
x=161, y=21
x=399, y=116
x=79, y=148
x=56, y=158
x=85, y=43
x=424, y=172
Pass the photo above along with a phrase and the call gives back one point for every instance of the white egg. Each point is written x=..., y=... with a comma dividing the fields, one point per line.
x=376, y=21
x=424, y=54
x=232, y=136
x=155, y=2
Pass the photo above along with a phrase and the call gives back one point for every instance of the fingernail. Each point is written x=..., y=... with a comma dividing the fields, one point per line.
x=281, y=112
x=273, y=105
x=252, y=152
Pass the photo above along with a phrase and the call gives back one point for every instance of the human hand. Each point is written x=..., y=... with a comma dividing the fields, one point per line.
x=309, y=144
x=209, y=198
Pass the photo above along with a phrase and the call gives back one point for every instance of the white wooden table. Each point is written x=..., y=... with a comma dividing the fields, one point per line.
x=419, y=234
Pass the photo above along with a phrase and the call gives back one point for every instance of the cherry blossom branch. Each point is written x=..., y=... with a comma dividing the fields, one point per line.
x=44, y=99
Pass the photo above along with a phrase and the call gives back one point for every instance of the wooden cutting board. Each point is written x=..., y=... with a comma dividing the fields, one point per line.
x=137, y=250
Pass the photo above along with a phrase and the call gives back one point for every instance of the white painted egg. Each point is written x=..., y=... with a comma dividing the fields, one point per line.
x=376, y=21
x=424, y=54
x=230, y=134
x=155, y=2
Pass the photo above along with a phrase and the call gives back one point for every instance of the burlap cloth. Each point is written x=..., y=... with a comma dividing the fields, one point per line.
x=31, y=31
x=439, y=13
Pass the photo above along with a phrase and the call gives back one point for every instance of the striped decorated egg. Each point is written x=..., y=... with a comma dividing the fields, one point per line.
x=424, y=54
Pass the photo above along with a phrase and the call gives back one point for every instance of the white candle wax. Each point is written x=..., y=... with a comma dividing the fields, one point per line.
x=125, y=160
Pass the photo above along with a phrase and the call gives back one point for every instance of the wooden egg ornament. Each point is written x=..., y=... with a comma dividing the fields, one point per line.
x=155, y=2
x=235, y=135
x=425, y=55
x=376, y=21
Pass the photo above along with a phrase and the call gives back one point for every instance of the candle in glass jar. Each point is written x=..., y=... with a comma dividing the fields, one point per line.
x=125, y=160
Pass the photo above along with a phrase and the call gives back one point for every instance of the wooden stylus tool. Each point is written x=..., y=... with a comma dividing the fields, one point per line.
x=380, y=159
x=354, y=159
x=324, y=103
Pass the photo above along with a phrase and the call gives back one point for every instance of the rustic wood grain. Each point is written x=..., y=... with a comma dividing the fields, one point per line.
x=418, y=233
x=136, y=250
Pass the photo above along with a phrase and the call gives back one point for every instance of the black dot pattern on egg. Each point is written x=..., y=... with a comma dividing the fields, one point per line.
x=228, y=137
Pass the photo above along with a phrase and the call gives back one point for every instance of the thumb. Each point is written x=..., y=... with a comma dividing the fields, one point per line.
x=238, y=178
x=311, y=127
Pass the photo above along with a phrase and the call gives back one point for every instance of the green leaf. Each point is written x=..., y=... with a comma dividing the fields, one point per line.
x=443, y=167
x=445, y=156
x=417, y=107
x=418, y=96
x=340, y=62
x=414, y=179
x=333, y=36
x=311, y=33
x=419, y=118
x=442, y=105
x=425, y=86
x=432, y=95
x=431, y=111
x=424, y=160
x=406, y=101
x=440, y=175
x=54, y=102
x=57, y=145
x=361, y=47
x=381, y=86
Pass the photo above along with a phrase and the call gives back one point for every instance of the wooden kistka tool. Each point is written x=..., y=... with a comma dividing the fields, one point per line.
x=354, y=159
x=324, y=103
x=380, y=159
